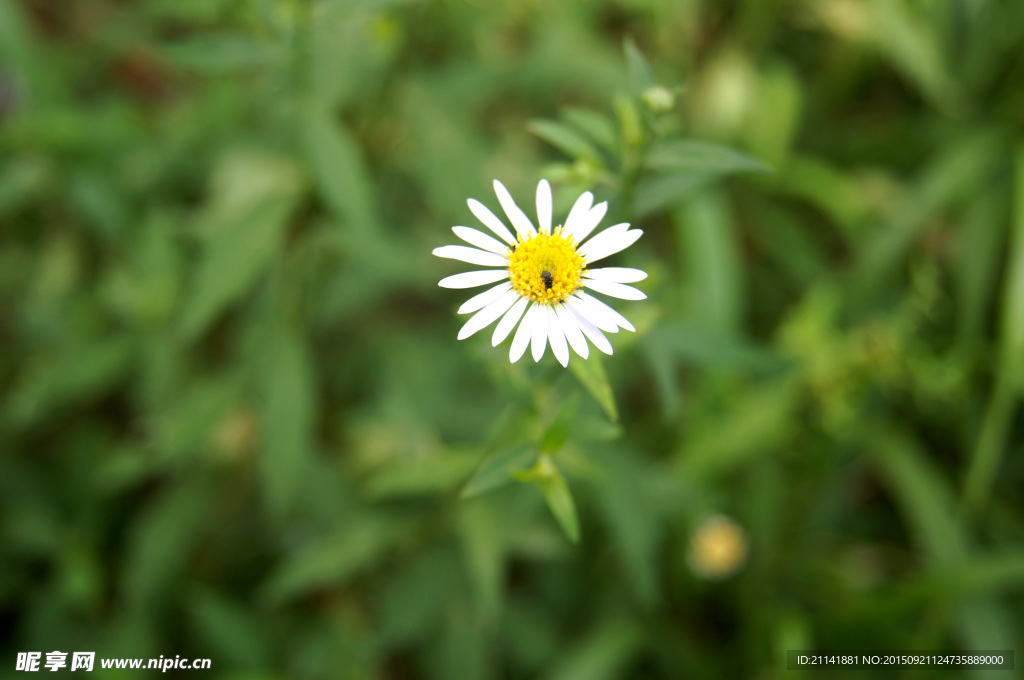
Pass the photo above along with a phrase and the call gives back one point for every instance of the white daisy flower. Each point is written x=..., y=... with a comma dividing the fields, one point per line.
x=543, y=276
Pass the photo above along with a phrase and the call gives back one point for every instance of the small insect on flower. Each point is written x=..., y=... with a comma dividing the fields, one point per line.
x=542, y=274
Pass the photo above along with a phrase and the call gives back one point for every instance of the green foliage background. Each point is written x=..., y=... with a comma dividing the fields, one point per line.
x=235, y=421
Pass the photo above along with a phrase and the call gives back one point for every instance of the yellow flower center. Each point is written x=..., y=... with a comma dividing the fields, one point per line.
x=545, y=268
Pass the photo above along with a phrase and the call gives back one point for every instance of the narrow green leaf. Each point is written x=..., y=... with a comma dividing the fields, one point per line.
x=627, y=502
x=991, y=444
x=429, y=475
x=481, y=530
x=1012, y=322
x=341, y=173
x=160, y=541
x=332, y=561
x=712, y=264
x=223, y=54
x=960, y=169
x=557, y=433
x=498, y=468
x=757, y=424
x=601, y=654
x=565, y=139
x=989, y=447
x=80, y=373
x=595, y=125
x=289, y=408
x=656, y=194
x=979, y=243
x=913, y=45
x=559, y=498
x=242, y=229
x=675, y=155
x=591, y=375
x=923, y=496
x=630, y=120
x=989, y=574
x=230, y=628
x=640, y=76
x=186, y=427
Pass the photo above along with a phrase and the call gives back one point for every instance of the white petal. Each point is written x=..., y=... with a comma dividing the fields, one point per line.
x=617, y=290
x=508, y=322
x=595, y=316
x=606, y=311
x=589, y=221
x=473, y=279
x=557, y=338
x=472, y=256
x=484, y=214
x=609, y=242
x=485, y=298
x=518, y=218
x=544, y=206
x=579, y=211
x=593, y=333
x=572, y=331
x=615, y=274
x=488, y=315
x=539, y=341
x=523, y=335
x=480, y=240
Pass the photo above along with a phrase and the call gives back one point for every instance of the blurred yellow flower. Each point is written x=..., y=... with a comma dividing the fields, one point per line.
x=718, y=548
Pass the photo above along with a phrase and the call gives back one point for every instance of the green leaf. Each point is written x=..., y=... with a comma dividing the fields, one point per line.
x=498, y=469
x=230, y=628
x=640, y=76
x=960, y=169
x=289, y=412
x=559, y=498
x=342, y=178
x=757, y=424
x=1012, y=321
x=331, y=561
x=914, y=46
x=991, y=443
x=76, y=375
x=692, y=344
x=979, y=241
x=565, y=139
x=602, y=654
x=595, y=125
x=186, y=427
x=627, y=502
x=922, y=495
x=675, y=155
x=988, y=574
x=481, y=529
x=223, y=54
x=711, y=264
x=631, y=124
x=776, y=123
x=557, y=432
x=429, y=475
x=655, y=194
x=590, y=373
x=242, y=230
x=160, y=543
x=989, y=447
